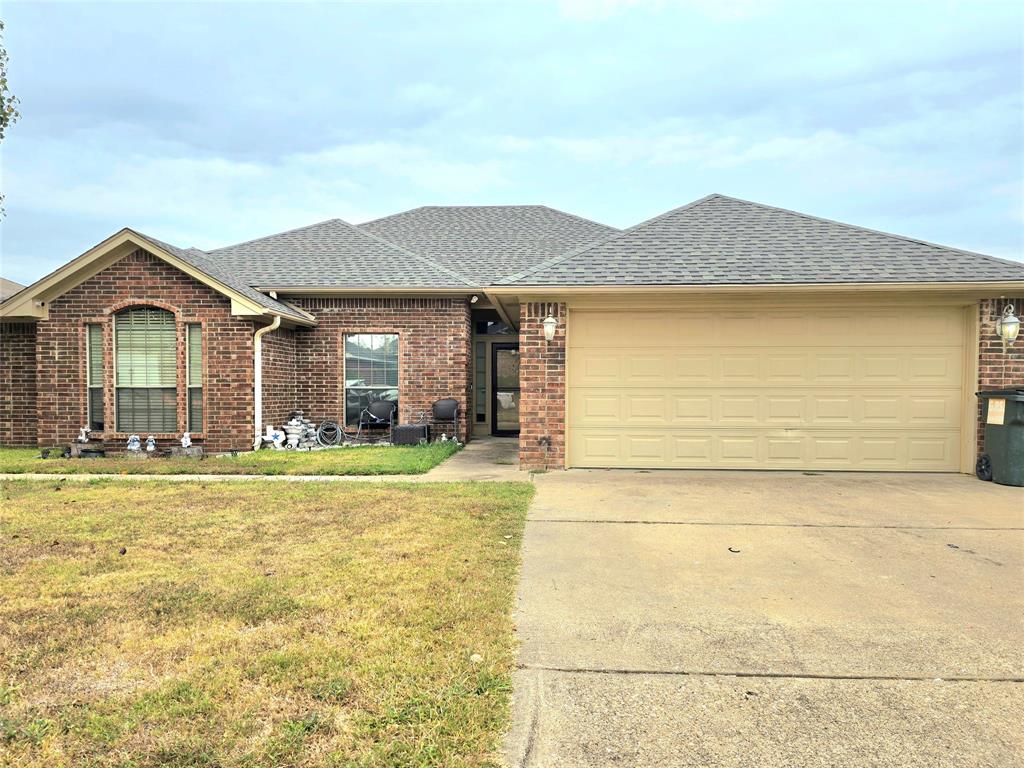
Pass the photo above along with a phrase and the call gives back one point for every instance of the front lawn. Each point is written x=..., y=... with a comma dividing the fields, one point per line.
x=232, y=624
x=363, y=460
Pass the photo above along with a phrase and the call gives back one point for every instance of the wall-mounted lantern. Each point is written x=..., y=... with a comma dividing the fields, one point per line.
x=1008, y=326
x=550, y=323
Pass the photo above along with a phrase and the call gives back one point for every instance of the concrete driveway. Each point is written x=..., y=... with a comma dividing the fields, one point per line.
x=770, y=619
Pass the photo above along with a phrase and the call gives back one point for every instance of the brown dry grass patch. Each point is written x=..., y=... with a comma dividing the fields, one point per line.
x=245, y=625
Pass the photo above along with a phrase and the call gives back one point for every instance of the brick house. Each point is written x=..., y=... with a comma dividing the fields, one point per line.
x=721, y=334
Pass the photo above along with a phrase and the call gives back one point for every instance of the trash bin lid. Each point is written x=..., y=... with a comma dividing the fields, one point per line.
x=1006, y=394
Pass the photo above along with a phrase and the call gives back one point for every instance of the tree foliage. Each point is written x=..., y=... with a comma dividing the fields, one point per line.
x=9, y=113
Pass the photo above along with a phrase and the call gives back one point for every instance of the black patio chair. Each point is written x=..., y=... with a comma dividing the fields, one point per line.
x=447, y=410
x=378, y=415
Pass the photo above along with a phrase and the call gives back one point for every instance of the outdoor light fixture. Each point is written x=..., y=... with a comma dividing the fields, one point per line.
x=474, y=299
x=1007, y=326
x=550, y=323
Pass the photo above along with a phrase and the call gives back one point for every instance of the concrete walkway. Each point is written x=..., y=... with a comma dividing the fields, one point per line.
x=769, y=619
x=485, y=459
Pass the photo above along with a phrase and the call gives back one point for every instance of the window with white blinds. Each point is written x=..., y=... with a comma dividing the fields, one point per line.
x=145, y=370
x=194, y=344
x=94, y=375
x=371, y=372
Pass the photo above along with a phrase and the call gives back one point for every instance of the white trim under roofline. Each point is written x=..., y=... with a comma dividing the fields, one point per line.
x=371, y=291
x=982, y=288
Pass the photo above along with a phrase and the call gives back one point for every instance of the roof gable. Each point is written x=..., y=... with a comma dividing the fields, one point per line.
x=332, y=254
x=721, y=240
x=31, y=302
x=487, y=242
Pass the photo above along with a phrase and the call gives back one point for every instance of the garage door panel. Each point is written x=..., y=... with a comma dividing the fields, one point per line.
x=598, y=449
x=934, y=368
x=694, y=449
x=833, y=410
x=736, y=410
x=692, y=408
x=601, y=408
x=646, y=408
x=693, y=369
x=740, y=389
x=835, y=451
x=819, y=407
x=643, y=369
x=924, y=451
x=786, y=409
x=833, y=369
x=788, y=450
x=882, y=452
x=920, y=327
x=788, y=369
x=738, y=368
x=598, y=369
x=764, y=367
x=652, y=448
x=742, y=449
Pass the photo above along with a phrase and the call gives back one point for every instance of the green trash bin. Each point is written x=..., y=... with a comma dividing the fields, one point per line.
x=1002, y=413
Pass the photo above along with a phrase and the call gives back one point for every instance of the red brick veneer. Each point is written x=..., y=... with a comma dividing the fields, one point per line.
x=434, y=352
x=1000, y=366
x=542, y=379
x=281, y=372
x=18, y=385
x=143, y=279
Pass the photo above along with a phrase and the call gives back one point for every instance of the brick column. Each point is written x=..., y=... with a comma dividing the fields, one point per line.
x=1000, y=366
x=542, y=379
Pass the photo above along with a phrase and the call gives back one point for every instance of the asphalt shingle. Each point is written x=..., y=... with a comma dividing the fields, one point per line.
x=332, y=254
x=202, y=261
x=721, y=240
x=486, y=242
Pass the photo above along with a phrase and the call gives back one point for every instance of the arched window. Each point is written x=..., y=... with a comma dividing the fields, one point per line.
x=146, y=367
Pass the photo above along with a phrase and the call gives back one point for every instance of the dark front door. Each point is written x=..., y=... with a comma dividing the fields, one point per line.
x=505, y=389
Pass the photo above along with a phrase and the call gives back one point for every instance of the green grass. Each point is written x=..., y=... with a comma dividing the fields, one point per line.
x=363, y=460
x=244, y=626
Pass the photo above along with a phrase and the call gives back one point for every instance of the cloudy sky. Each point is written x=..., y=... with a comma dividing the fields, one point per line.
x=209, y=124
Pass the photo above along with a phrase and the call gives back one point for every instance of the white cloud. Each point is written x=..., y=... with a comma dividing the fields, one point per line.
x=672, y=145
x=215, y=201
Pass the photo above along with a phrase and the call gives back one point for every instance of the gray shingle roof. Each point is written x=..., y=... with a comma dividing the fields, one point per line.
x=720, y=240
x=202, y=261
x=485, y=242
x=332, y=254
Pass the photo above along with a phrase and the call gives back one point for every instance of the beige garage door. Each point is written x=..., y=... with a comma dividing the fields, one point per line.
x=863, y=389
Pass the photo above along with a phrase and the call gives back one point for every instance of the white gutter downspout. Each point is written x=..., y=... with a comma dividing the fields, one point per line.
x=257, y=361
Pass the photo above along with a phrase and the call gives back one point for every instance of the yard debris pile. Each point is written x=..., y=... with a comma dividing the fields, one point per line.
x=300, y=432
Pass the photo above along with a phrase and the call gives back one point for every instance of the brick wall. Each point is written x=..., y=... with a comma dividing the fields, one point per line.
x=18, y=384
x=1000, y=366
x=542, y=379
x=280, y=374
x=142, y=279
x=434, y=352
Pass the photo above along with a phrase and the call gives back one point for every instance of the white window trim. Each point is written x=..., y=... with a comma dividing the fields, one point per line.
x=90, y=385
x=188, y=377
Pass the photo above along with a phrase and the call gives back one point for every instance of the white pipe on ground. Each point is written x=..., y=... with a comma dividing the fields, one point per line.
x=257, y=360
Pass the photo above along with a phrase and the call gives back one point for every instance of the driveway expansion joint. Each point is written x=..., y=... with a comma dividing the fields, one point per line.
x=768, y=675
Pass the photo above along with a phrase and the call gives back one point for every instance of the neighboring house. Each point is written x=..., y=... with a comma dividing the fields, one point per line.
x=8, y=288
x=723, y=334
